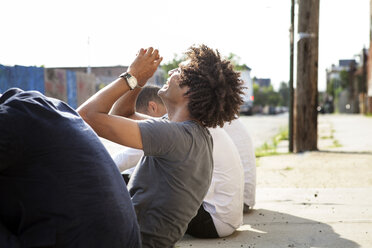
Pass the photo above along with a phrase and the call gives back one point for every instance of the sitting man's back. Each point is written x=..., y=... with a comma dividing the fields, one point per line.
x=58, y=185
x=169, y=182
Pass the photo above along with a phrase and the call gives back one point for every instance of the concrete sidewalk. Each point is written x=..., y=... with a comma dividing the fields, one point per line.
x=287, y=217
x=313, y=199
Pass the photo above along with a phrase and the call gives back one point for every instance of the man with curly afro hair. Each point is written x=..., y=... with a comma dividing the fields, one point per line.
x=214, y=87
x=172, y=178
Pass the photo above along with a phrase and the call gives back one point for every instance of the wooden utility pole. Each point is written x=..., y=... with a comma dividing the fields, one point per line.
x=306, y=115
x=291, y=95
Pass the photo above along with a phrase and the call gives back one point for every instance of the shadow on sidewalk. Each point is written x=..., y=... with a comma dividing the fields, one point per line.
x=270, y=229
x=266, y=228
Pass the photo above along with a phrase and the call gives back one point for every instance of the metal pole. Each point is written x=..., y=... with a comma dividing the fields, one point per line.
x=291, y=94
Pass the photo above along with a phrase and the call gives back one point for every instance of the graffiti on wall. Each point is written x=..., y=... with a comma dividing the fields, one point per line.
x=55, y=84
x=86, y=86
x=71, y=87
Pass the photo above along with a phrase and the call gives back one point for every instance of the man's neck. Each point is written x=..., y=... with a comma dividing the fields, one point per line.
x=181, y=116
x=178, y=114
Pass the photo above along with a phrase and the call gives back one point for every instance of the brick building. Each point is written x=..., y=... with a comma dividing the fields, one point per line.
x=106, y=74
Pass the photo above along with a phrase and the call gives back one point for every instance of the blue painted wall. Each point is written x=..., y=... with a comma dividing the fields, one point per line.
x=71, y=89
x=49, y=81
x=26, y=78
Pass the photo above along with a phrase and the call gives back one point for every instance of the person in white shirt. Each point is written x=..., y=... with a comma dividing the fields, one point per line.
x=238, y=132
x=222, y=210
x=224, y=200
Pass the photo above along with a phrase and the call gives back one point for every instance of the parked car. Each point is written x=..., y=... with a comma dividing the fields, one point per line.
x=269, y=110
x=246, y=108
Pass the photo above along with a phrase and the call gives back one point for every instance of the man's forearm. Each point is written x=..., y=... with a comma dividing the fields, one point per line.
x=103, y=100
x=125, y=105
x=95, y=111
x=142, y=68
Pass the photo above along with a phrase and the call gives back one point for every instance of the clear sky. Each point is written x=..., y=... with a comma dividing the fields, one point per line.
x=55, y=33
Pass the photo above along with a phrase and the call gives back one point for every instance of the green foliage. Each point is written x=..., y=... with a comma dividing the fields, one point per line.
x=235, y=60
x=259, y=97
x=327, y=137
x=265, y=96
x=269, y=149
x=344, y=79
x=336, y=144
x=266, y=150
x=330, y=87
x=335, y=86
x=283, y=134
x=284, y=94
x=174, y=63
x=273, y=98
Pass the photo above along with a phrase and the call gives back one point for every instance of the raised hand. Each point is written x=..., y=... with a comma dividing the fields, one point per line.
x=145, y=65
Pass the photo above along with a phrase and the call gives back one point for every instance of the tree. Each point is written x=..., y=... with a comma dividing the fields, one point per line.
x=235, y=60
x=337, y=85
x=265, y=96
x=273, y=98
x=174, y=63
x=344, y=79
x=259, y=96
x=284, y=94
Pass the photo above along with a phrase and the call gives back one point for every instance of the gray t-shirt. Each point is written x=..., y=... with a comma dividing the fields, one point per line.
x=171, y=180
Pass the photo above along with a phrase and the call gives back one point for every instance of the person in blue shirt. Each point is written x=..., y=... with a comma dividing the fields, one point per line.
x=59, y=186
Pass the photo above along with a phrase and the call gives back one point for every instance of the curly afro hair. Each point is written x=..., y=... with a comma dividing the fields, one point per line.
x=215, y=90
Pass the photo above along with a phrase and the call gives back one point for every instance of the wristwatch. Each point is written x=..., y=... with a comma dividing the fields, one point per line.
x=131, y=80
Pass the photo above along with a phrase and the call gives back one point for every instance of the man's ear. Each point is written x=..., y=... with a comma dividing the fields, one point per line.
x=152, y=107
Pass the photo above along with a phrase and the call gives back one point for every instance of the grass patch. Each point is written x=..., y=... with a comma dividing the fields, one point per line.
x=327, y=137
x=261, y=153
x=283, y=135
x=288, y=168
x=336, y=143
x=368, y=115
x=266, y=150
x=269, y=149
x=330, y=136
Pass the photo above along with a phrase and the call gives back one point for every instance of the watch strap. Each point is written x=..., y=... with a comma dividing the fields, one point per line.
x=127, y=77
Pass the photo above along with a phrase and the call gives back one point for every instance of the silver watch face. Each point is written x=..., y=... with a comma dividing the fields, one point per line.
x=132, y=81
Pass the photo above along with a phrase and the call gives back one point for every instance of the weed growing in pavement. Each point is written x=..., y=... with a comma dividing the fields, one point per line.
x=266, y=150
x=288, y=168
x=327, y=137
x=336, y=143
x=284, y=133
x=270, y=149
